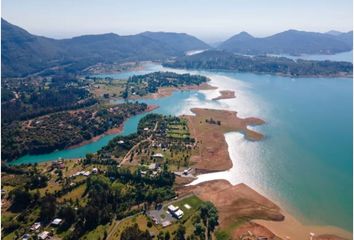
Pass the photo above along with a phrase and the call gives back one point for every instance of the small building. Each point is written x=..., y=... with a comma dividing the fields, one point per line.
x=187, y=206
x=94, y=170
x=35, y=226
x=146, y=129
x=171, y=208
x=57, y=221
x=43, y=235
x=158, y=155
x=120, y=142
x=178, y=214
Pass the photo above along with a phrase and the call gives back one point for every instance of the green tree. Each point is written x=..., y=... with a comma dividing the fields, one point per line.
x=48, y=208
x=167, y=235
x=181, y=231
x=133, y=233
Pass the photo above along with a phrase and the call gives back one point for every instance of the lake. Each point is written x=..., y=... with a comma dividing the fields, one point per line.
x=305, y=161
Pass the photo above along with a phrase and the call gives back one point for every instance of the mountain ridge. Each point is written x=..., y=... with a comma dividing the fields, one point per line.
x=24, y=53
x=292, y=41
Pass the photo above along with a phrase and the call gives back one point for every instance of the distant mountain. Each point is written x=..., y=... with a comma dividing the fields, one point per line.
x=289, y=42
x=23, y=53
x=180, y=42
x=346, y=38
x=334, y=32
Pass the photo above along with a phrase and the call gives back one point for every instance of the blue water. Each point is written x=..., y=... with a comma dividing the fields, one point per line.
x=306, y=159
x=343, y=56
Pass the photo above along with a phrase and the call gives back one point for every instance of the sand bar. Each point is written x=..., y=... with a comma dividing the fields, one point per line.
x=225, y=94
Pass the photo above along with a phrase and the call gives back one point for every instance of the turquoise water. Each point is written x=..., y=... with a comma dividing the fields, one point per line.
x=167, y=105
x=305, y=162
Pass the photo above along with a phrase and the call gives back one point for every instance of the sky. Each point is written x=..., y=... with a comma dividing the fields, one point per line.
x=210, y=20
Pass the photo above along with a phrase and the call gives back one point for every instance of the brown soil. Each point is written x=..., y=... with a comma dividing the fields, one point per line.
x=225, y=94
x=250, y=230
x=327, y=237
x=294, y=229
x=212, y=154
x=234, y=202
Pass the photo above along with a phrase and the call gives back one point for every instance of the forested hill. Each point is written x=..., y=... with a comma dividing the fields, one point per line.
x=23, y=53
x=221, y=60
x=290, y=42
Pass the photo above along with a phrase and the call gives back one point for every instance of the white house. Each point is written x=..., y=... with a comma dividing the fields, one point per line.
x=43, y=235
x=57, y=221
x=172, y=208
x=35, y=226
x=178, y=214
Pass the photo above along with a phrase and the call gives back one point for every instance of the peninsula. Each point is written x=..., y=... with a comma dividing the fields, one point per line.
x=226, y=61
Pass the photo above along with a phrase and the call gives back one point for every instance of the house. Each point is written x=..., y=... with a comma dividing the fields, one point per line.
x=178, y=214
x=57, y=222
x=35, y=226
x=171, y=208
x=87, y=173
x=175, y=211
x=158, y=155
x=43, y=235
x=120, y=142
x=94, y=170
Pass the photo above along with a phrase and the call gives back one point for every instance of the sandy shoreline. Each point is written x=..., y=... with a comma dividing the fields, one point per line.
x=214, y=156
x=293, y=228
x=111, y=131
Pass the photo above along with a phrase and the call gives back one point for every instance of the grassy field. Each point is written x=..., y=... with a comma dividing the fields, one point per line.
x=75, y=194
x=114, y=88
x=97, y=233
x=179, y=130
x=118, y=226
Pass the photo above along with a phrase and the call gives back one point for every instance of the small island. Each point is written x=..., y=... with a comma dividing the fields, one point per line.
x=162, y=84
x=225, y=94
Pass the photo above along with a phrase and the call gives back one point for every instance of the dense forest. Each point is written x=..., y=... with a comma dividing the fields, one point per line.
x=220, y=60
x=31, y=97
x=149, y=83
x=62, y=129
